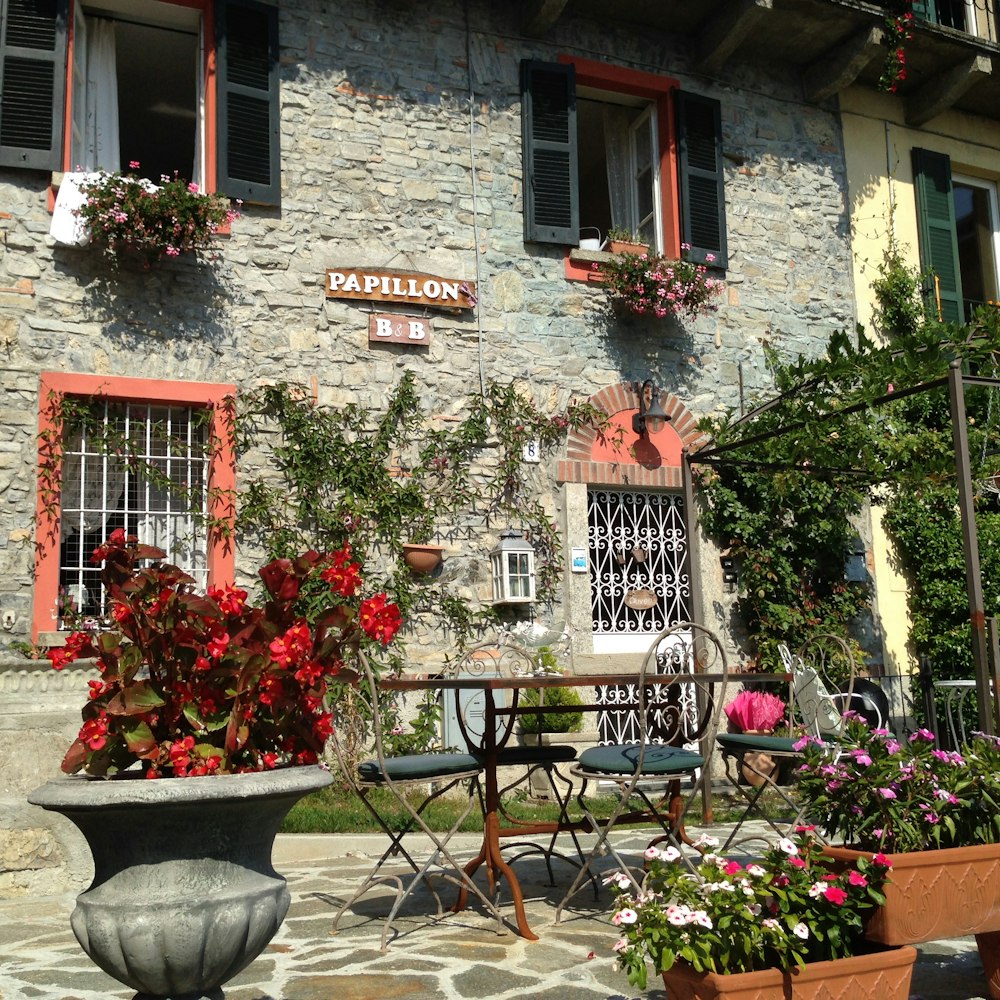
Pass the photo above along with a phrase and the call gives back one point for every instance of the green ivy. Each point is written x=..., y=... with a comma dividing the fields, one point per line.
x=842, y=432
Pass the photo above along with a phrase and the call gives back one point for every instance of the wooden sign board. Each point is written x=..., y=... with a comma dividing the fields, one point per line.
x=408, y=287
x=641, y=600
x=392, y=328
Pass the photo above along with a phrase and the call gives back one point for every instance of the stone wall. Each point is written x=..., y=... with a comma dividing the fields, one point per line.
x=39, y=718
x=400, y=139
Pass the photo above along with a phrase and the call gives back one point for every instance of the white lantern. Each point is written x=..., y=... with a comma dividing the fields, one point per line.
x=513, y=563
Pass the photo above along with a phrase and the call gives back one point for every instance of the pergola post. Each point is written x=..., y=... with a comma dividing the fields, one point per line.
x=970, y=541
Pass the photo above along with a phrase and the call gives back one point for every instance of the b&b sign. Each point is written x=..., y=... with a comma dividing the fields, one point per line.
x=392, y=328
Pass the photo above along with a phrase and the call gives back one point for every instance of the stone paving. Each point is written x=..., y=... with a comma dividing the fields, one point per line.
x=462, y=956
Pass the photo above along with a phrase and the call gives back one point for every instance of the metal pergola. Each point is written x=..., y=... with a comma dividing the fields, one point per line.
x=985, y=638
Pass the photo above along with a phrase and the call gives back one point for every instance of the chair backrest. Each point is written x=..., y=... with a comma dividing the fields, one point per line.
x=357, y=727
x=823, y=675
x=685, y=713
x=488, y=659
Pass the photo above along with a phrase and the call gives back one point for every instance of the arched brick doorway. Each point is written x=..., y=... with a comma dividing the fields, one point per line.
x=636, y=521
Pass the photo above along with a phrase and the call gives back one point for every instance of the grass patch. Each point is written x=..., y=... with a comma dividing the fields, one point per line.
x=336, y=809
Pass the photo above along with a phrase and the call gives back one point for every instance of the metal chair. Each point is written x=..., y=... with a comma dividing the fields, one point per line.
x=434, y=774
x=673, y=719
x=501, y=659
x=815, y=707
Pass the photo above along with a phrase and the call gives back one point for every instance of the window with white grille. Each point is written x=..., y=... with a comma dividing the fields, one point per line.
x=134, y=466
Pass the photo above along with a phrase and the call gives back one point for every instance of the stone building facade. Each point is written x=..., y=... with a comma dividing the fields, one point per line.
x=400, y=137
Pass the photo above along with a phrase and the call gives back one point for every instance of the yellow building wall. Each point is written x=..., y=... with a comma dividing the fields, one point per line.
x=877, y=144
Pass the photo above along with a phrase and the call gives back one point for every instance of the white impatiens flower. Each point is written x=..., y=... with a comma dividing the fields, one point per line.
x=626, y=916
x=704, y=840
x=756, y=871
x=788, y=846
x=677, y=915
x=669, y=854
x=619, y=879
x=801, y=931
x=817, y=889
x=651, y=852
x=702, y=919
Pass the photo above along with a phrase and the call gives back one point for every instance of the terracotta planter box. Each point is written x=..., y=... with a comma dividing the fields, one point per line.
x=882, y=975
x=940, y=894
x=621, y=246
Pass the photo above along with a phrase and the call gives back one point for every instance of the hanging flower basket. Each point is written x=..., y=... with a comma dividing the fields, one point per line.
x=124, y=213
x=649, y=284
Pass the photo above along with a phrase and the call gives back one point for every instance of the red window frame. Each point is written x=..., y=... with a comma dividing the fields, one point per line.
x=221, y=472
x=208, y=72
x=659, y=90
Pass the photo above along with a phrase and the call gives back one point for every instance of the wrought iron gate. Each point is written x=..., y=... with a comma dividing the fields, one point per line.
x=639, y=581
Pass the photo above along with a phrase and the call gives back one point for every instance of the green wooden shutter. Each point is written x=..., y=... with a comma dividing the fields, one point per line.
x=32, y=82
x=936, y=226
x=702, y=190
x=248, y=149
x=926, y=10
x=548, y=129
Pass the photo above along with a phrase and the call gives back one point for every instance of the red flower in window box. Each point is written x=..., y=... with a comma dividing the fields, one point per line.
x=195, y=684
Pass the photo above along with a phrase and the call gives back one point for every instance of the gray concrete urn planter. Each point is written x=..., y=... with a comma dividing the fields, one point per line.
x=184, y=895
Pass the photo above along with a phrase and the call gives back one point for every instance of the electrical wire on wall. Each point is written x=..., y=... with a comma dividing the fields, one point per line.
x=475, y=194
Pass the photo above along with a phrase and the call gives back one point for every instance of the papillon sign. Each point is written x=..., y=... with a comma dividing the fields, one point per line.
x=409, y=287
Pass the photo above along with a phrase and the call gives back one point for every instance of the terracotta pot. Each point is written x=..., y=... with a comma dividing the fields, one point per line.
x=422, y=559
x=758, y=766
x=940, y=894
x=882, y=975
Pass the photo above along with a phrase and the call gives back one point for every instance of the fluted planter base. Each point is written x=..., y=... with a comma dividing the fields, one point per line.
x=184, y=894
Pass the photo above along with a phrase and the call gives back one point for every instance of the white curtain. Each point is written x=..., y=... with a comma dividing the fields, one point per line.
x=616, y=145
x=100, y=135
x=197, y=173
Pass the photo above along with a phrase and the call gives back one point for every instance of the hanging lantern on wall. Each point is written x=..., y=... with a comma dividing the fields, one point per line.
x=513, y=563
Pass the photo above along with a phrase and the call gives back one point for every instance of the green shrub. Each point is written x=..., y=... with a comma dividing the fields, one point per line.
x=562, y=722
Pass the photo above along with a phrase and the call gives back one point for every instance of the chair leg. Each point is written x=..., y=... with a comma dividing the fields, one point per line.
x=601, y=847
x=752, y=795
x=440, y=857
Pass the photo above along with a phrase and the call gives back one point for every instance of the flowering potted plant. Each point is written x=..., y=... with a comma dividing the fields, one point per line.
x=755, y=712
x=644, y=283
x=935, y=813
x=231, y=697
x=785, y=926
x=127, y=212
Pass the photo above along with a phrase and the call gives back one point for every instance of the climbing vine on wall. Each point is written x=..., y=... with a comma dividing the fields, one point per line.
x=333, y=474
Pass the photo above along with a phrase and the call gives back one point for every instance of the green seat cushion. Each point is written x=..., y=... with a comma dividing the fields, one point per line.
x=622, y=759
x=556, y=754
x=739, y=743
x=420, y=766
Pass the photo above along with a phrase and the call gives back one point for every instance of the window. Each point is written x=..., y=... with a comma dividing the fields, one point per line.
x=132, y=455
x=959, y=228
x=950, y=13
x=190, y=86
x=607, y=147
